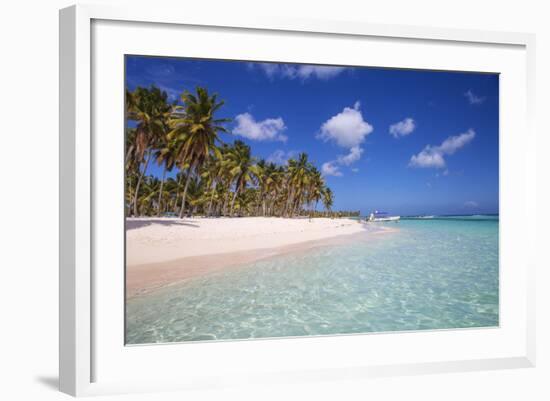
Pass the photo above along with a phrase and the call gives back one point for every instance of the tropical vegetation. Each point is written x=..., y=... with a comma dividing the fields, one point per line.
x=212, y=177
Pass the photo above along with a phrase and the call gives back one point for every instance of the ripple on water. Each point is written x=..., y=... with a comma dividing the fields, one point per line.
x=429, y=275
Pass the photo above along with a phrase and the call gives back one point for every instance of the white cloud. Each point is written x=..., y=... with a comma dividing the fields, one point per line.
x=281, y=157
x=347, y=128
x=471, y=204
x=433, y=156
x=269, y=68
x=473, y=98
x=353, y=155
x=321, y=72
x=427, y=158
x=303, y=72
x=330, y=168
x=402, y=128
x=355, y=170
x=269, y=129
x=454, y=143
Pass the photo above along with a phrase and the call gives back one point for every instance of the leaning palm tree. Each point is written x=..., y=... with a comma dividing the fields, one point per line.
x=195, y=133
x=149, y=108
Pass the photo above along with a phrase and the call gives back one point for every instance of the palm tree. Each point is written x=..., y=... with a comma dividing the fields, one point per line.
x=170, y=192
x=130, y=145
x=327, y=198
x=130, y=132
x=149, y=108
x=195, y=133
x=147, y=194
x=195, y=194
x=213, y=177
x=165, y=156
x=214, y=170
x=297, y=180
x=279, y=191
x=131, y=166
x=260, y=170
x=315, y=189
x=241, y=168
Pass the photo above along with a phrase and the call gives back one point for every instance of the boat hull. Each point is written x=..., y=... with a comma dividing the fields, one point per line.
x=385, y=219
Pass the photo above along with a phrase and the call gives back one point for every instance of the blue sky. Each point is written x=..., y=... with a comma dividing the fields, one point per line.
x=403, y=141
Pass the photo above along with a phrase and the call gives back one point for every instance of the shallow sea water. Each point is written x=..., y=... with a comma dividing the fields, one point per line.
x=431, y=274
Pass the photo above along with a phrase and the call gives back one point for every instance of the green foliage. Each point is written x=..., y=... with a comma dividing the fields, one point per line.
x=214, y=178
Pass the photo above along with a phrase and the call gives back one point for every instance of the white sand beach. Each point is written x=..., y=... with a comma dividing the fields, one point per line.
x=151, y=240
x=160, y=251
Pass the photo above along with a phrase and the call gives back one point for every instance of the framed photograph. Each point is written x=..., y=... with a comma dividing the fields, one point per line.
x=269, y=201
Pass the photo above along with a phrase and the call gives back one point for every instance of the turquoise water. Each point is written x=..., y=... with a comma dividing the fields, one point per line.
x=431, y=274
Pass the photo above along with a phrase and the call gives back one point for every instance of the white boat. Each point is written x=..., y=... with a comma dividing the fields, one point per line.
x=378, y=217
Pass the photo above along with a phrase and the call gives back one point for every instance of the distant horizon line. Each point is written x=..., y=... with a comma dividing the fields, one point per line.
x=446, y=214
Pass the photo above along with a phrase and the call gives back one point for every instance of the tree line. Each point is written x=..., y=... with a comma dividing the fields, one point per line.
x=213, y=178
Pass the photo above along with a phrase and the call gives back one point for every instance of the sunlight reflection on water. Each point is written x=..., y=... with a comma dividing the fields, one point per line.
x=429, y=275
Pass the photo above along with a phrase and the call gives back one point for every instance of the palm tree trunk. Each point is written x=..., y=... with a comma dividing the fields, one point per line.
x=160, y=192
x=177, y=193
x=233, y=201
x=296, y=205
x=290, y=205
x=272, y=207
x=128, y=154
x=226, y=198
x=288, y=202
x=299, y=201
x=128, y=206
x=218, y=208
x=237, y=187
x=187, y=181
x=209, y=213
x=136, y=195
x=260, y=202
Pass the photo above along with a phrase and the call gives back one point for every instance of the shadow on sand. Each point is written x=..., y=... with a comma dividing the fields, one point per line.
x=133, y=224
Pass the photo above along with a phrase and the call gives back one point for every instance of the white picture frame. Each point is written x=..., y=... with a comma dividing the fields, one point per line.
x=81, y=342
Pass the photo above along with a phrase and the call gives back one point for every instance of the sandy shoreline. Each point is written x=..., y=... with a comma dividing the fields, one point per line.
x=162, y=251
